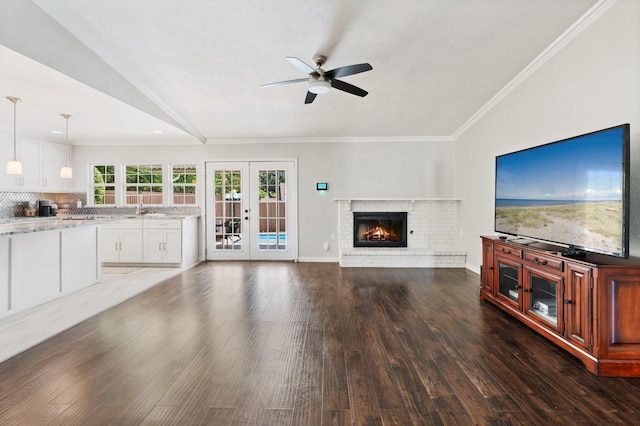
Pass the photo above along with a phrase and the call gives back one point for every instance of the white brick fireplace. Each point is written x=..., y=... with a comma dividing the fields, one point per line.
x=432, y=234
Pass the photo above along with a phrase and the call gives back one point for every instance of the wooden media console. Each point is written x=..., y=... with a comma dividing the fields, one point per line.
x=589, y=306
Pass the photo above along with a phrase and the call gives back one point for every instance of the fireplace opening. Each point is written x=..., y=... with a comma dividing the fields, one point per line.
x=379, y=229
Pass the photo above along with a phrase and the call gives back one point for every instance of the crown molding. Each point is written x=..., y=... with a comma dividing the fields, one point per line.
x=592, y=15
x=341, y=139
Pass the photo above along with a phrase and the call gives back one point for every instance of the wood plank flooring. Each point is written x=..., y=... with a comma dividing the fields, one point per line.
x=251, y=343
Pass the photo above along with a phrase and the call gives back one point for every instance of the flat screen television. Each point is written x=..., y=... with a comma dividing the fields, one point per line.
x=573, y=192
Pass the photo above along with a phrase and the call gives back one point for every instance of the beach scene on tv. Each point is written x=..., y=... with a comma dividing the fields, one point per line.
x=570, y=192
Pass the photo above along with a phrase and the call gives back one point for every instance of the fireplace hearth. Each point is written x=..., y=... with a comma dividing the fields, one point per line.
x=380, y=229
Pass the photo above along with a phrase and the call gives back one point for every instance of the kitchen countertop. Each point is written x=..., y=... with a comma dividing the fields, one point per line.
x=23, y=225
x=38, y=224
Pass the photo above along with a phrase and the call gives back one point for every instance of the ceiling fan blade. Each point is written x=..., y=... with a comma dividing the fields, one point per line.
x=282, y=83
x=306, y=68
x=310, y=97
x=349, y=88
x=348, y=70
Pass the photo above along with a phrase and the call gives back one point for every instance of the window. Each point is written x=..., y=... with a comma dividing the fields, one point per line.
x=143, y=184
x=103, y=186
x=183, y=181
x=149, y=184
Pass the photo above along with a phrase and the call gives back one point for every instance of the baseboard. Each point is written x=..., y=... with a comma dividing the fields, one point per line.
x=472, y=268
x=319, y=259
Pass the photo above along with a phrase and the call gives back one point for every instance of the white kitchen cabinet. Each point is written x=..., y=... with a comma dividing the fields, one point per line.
x=53, y=156
x=29, y=155
x=121, y=242
x=41, y=163
x=6, y=154
x=79, y=254
x=35, y=269
x=171, y=242
x=4, y=277
x=162, y=241
x=7, y=182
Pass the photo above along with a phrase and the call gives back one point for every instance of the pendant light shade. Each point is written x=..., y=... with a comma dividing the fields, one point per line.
x=14, y=167
x=66, y=172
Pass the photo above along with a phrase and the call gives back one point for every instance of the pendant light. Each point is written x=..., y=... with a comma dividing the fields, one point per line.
x=66, y=172
x=14, y=167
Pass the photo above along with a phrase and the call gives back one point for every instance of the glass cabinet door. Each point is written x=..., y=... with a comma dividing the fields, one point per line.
x=543, y=290
x=508, y=280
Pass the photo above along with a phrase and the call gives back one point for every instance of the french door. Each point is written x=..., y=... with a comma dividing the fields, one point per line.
x=251, y=210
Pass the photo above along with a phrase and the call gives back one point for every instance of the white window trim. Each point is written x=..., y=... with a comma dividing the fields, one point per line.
x=124, y=184
x=120, y=184
x=169, y=181
x=117, y=182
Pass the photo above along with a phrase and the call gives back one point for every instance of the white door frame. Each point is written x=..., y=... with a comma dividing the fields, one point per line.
x=246, y=248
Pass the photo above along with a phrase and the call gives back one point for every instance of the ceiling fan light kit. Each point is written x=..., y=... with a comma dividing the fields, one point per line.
x=319, y=87
x=321, y=81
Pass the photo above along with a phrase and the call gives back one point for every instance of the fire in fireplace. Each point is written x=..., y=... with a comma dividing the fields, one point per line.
x=379, y=229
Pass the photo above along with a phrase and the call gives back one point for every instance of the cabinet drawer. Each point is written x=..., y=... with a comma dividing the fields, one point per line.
x=509, y=251
x=123, y=224
x=162, y=224
x=544, y=261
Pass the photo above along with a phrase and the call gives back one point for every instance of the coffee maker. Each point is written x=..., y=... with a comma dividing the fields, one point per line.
x=44, y=208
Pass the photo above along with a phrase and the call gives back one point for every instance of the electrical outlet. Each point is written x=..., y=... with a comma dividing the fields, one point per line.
x=333, y=237
x=326, y=245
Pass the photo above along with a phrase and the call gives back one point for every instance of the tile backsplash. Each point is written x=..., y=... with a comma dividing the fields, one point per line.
x=13, y=204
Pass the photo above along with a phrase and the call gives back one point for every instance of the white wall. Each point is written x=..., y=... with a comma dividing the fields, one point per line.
x=352, y=169
x=593, y=83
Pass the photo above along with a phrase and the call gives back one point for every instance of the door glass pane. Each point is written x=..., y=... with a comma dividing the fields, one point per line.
x=544, y=297
x=228, y=209
x=272, y=202
x=508, y=281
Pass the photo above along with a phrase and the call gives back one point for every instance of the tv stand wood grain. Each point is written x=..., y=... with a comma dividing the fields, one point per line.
x=594, y=310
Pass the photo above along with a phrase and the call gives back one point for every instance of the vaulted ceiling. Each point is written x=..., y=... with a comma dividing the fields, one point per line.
x=193, y=69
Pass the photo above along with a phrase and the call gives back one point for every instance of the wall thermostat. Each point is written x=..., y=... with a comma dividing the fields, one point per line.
x=322, y=186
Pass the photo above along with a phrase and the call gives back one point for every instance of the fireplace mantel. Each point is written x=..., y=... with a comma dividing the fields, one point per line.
x=394, y=199
x=411, y=200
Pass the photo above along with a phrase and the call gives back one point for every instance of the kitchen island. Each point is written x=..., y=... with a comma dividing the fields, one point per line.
x=42, y=259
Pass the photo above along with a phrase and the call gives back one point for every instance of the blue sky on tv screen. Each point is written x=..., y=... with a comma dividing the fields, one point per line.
x=585, y=168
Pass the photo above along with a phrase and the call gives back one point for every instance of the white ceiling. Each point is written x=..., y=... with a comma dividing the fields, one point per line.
x=435, y=64
x=46, y=93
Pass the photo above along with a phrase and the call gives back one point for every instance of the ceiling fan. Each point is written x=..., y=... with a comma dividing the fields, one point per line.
x=321, y=81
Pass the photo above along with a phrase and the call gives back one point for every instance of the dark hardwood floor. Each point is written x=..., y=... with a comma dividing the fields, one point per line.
x=307, y=344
